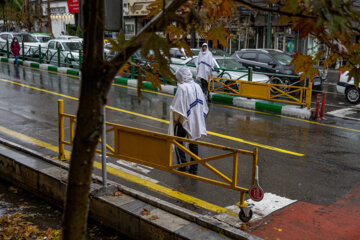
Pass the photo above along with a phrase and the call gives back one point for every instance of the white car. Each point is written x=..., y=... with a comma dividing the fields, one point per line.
x=348, y=88
x=31, y=45
x=224, y=63
x=69, y=51
x=42, y=38
x=68, y=37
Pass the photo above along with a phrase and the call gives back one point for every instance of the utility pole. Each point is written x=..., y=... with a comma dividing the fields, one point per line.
x=269, y=30
x=48, y=17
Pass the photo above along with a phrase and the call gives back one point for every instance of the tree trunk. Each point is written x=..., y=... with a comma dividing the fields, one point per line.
x=40, y=16
x=96, y=80
x=27, y=11
x=48, y=13
x=88, y=128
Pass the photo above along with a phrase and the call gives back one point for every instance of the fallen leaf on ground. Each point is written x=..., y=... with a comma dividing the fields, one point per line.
x=13, y=189
x=24, y=207
x=201, y=229
x=117, y=193
x=145, y=212
x=154, y=218
x=278, y=229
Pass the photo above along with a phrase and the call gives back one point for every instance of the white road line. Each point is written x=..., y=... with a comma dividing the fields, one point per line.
x=135, y=166
x=133, y=173
x=268, y=205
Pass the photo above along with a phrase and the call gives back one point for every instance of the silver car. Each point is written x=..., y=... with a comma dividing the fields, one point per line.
x=224, y=67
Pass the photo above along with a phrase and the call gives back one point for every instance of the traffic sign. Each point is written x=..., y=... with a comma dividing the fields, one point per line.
x=256, y=193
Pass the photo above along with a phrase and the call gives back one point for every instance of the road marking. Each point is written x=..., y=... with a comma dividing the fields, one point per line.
x=167, y=122
x=135, y=166
x=342, y=113
x=128, y=177
x=226, y=106
x=133, y=173
x=297, y=119
x=270, y=203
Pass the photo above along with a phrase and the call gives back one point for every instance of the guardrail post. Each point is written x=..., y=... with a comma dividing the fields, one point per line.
x=58, y=55
x=23, y=51
x=40, y=55
x=308, y=95
x=61, y=129
x=132, y=68
x=250, y=74
x=103, y=146
x=7, y=49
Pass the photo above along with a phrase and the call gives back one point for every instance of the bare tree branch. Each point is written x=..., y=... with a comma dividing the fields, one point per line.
x=275, y=10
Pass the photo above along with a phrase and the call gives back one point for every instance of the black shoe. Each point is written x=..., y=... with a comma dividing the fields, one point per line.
x=192, y=171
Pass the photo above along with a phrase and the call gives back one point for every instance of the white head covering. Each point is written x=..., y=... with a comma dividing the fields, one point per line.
x=190, y=103
x=184, y=75
x=204, y=63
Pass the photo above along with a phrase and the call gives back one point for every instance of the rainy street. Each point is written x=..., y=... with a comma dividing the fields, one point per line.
x=312, y=161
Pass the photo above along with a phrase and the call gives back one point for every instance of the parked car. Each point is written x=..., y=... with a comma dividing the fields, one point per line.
x=224, y=63
x=42, y=38
x=70, y=51
x=273, y=61
x=348, y=88
x=178, y=56
x=69, y=37
x=31, y=45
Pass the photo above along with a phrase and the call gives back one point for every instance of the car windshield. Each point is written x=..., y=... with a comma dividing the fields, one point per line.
x=229, y=64
x=43, y=39
x=219, y=52
x=72, y=46
x=215, y=52
x=283, y=58
x=25, y=38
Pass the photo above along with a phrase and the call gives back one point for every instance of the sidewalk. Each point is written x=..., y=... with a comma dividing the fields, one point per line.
x=136, y=214
x=254, y=104
x=302, y=220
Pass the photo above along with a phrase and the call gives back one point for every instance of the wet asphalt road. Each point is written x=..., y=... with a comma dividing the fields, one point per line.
x=327, y=171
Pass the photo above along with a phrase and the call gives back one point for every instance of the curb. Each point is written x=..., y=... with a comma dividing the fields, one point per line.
x=43, y=66
x=47, y=179
x=255, y=104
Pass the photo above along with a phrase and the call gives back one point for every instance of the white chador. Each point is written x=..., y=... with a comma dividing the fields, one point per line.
x=204, y=64
x=189, y=105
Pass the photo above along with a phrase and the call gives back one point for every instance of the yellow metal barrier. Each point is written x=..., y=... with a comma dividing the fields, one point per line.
x=267, y=91
x=155, y=150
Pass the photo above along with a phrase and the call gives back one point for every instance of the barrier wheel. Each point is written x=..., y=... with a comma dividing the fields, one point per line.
x=243, y=216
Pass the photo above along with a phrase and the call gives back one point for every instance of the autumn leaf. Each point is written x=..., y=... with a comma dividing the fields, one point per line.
x=13, y=189
x=153, y=218
x=117, y=193
x=304, y=65
x=145, y=212
x=218, y=35
x=201, y=229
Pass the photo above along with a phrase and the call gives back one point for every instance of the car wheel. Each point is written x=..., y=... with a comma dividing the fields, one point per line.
x=352, y=95
x=275, y=80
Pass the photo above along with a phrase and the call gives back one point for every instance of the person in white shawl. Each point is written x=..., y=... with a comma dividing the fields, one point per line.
x=187, y=112
x=204, y=67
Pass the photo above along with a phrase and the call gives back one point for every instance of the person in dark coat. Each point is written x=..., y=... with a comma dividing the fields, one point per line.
x=15, y=49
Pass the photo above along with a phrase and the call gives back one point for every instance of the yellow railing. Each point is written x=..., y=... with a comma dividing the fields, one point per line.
x=298, y=95
x=155, y=150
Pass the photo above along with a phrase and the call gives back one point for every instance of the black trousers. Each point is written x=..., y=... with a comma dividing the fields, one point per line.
x=204, y=87
x=179, y=131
